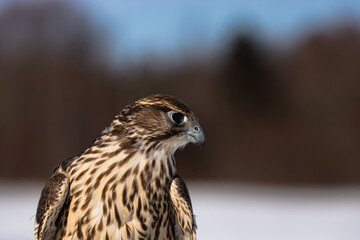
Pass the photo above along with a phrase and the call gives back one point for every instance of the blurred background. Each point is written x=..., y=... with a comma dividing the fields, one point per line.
x=275, y=84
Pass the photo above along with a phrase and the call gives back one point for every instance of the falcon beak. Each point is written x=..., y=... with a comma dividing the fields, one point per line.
x=196, y=135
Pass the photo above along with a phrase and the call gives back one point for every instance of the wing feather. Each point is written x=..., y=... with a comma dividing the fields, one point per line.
x=185, y=225
x=50, y=204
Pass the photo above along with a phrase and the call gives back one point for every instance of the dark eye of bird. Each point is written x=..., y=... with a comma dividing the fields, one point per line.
x=177, y=117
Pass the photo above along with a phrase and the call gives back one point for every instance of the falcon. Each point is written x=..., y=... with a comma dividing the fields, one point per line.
x=125, y=185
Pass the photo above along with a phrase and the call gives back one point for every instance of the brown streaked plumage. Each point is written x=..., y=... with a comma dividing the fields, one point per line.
x=125, y=185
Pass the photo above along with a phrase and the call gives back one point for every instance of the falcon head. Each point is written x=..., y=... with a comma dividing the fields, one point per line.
x=160, y=122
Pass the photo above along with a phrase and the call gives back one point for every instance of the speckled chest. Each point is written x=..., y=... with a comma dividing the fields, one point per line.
x=113, y=200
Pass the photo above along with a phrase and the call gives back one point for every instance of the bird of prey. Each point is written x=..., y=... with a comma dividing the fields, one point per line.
x=125, y=185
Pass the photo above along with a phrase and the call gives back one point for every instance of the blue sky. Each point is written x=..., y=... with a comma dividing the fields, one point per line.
x=141, y=27
x=137, y=28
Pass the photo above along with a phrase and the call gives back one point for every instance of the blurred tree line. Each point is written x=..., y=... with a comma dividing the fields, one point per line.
x=287, y=116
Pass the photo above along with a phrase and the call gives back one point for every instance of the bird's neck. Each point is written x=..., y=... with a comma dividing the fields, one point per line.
x=149, y=165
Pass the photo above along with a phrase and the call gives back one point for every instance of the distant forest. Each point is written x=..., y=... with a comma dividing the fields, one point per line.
x=282, y=115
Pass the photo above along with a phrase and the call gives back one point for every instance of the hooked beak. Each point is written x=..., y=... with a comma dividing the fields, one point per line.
x=196, y=135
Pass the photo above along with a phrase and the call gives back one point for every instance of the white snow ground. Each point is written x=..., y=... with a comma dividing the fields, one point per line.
x=227, y=212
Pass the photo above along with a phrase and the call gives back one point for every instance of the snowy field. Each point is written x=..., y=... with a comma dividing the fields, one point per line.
x=227, y=212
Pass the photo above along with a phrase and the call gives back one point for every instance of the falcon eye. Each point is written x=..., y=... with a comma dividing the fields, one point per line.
x=177, y=118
